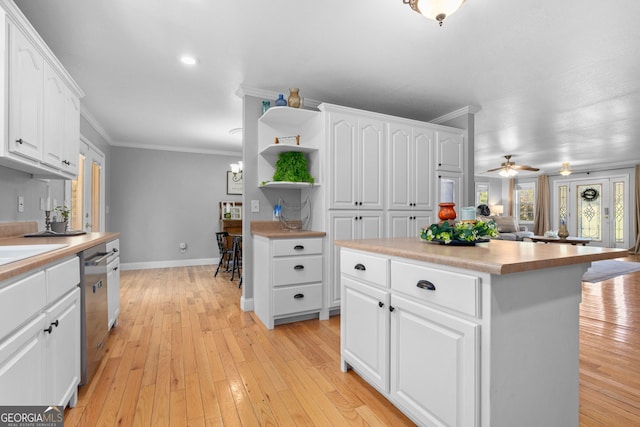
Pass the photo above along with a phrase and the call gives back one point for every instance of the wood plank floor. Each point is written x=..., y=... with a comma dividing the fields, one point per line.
x=185, y=354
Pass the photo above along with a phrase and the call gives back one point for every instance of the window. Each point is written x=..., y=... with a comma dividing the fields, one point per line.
x=526, y=201
x=482, y=193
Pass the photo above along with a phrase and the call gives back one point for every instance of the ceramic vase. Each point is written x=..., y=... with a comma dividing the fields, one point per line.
x=294, y=97
x=447, y=211
x=563, y=233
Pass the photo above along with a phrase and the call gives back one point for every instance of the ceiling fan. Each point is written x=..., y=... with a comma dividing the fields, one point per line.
x=508, y=169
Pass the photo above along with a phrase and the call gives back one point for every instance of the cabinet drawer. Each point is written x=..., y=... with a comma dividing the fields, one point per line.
x=365, y=267
x=289, y=247
x=451, y=290
x=113, y=248
x=62, y=277
x=299, y=269
x=21, y=300
x=297, y=299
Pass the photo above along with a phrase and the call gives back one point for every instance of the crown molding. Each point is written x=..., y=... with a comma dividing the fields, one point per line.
x=243, y=91
x=469, y=109
x=94, y=124
x=177, y=149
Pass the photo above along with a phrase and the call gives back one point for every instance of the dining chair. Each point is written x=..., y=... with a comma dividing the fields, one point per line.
x=226, y=252
x=237, y=257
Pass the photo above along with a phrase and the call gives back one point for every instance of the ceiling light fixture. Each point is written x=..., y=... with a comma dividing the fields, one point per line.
x=565, y=170
x=188, y=60
x=435, y=9
x=507, y=172
x=236, y=167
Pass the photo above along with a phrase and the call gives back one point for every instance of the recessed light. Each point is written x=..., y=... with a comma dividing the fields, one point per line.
x=188, y=60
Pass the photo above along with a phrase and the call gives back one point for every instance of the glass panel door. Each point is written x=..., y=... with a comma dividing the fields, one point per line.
x=87, y=190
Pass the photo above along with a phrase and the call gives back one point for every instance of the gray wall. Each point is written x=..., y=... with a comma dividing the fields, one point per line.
x=162, y=198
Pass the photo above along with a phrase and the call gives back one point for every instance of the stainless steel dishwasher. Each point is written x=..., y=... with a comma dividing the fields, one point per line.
x=94, y=324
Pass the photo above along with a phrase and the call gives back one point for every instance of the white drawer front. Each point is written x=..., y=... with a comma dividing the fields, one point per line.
x=62, y=277
x=113, y=247
x=289, y=247
x=452, y=290
x=297, y=299
x=299, y=269
x=365, y=267
x=21, y=300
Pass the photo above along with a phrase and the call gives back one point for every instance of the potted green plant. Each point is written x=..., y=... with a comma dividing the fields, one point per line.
x=292, y=167
x=60, y=220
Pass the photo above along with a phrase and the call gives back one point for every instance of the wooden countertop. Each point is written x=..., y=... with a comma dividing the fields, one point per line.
x=272, y=230
x=75, y=244
x=494, y=257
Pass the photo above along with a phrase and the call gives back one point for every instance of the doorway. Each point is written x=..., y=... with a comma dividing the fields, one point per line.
x=595, y=208
x=87, y=191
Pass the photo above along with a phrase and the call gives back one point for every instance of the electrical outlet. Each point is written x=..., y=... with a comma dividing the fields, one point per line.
x=183, y=247
x=20, y=203
x=255, y=206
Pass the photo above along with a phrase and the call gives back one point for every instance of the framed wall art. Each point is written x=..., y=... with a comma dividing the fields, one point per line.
x=234, y=183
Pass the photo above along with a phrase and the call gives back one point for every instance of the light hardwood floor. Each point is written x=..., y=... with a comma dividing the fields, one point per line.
x=185, y=354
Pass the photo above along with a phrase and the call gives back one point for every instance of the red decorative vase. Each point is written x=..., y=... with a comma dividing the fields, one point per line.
x=447, y=211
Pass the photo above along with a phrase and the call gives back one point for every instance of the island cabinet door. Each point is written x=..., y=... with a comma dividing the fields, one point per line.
x=434, y=365
x=365, y=331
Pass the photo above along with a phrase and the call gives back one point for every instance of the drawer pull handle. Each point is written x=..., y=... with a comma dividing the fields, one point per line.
x=298, y=267
x=298, y=296
x=360, y=267
x=298, y=247
x=424, y=284
x=380, y=304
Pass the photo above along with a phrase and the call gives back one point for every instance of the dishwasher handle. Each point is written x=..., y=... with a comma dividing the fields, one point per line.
x=98, y=258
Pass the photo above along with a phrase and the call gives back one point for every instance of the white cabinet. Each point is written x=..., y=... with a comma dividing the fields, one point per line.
x=71, y=135
x=407, y=223
x=287, y=278
x=356, y=151
x=450, y=151
x=40, y=342
x=348, y=225
x=113, y=282
x=410, y=167
x=401, y=332
x=54, y=102
x=26, y=80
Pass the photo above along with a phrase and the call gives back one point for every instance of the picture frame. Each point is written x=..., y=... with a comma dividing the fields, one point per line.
x=236, y=212
x=234, y=183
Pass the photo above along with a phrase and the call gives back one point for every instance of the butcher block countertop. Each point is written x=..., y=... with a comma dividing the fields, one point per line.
x=74, y=244
x=494, y=257
x=272, y=230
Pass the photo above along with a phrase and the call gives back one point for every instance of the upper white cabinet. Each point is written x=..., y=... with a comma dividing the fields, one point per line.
x=450, y=151
x=410, y=167
x=356, y=150
x=288, y=125
x=40, y=104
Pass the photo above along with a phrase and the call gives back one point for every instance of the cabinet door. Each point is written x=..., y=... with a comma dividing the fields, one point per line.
x=22, y=370
x=343, y=151
x=71, y=136
x=63, y=348
x=113, y=291
x=370, y=225
x=421, y=220
x=434, y=364
x=343, y=227
x=422, y=169
x=53, y=131
x=26, y=83
x=365, y=331
x=399, y=223
x=399, y=160
x=371, y=165
x=450, y=151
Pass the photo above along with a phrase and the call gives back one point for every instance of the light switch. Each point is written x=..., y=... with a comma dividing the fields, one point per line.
x=255, y=206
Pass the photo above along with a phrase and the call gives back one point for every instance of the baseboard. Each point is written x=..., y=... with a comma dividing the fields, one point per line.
x=168, y=264
x=246, y=304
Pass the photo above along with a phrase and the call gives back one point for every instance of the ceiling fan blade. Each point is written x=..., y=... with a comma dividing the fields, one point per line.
x=525, y=168
x=495, y=169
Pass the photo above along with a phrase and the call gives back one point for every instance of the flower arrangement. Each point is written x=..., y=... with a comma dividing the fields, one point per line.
x=462, y=231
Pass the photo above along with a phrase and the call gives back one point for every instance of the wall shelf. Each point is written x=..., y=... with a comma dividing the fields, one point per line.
x=287, y=185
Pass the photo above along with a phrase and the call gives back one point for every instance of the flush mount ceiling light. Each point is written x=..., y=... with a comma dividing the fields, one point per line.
x=435, y=9
x=565, y=170
x=188, y=60
x=508, y=172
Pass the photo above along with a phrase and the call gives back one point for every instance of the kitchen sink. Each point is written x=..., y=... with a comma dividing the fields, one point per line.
x=15, y=253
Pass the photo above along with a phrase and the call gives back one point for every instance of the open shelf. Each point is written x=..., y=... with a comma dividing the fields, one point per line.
x=287, y=116
x=288, y=184
x=275, y=149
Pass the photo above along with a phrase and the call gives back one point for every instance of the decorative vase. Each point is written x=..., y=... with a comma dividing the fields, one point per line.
x=281, y=102
x=59, y=227
x=265, y=106
x=447, y=211
x=294, y=97
x=563, y=233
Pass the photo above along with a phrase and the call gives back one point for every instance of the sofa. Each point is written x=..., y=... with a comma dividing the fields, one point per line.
x=508, y=228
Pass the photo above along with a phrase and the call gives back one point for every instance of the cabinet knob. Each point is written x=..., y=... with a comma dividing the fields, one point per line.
x=425, y=284
x=391, y=308
x=360, y=203
x=299, y=267
x=298, y=247
x=19, y=141
x=49, y=329
x=360, y=218
x=56, y=323
x=380, y=304
x=115, y=268
x=439, y=164
x=355, y=203
x=360, y=267
x=298, y=296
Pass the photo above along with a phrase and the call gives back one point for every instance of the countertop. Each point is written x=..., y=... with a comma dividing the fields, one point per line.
x=494, y=257
x=75, y=244
x=272, y=230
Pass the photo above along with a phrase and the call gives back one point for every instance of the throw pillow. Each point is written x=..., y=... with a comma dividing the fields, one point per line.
x=506, y=224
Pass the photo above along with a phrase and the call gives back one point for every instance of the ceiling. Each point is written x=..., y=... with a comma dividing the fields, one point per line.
x=556, y=81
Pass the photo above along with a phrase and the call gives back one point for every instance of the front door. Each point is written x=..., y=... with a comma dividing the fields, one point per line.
x=594, y=208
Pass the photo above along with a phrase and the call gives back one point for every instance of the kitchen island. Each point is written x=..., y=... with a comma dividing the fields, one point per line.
x=486, y=335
